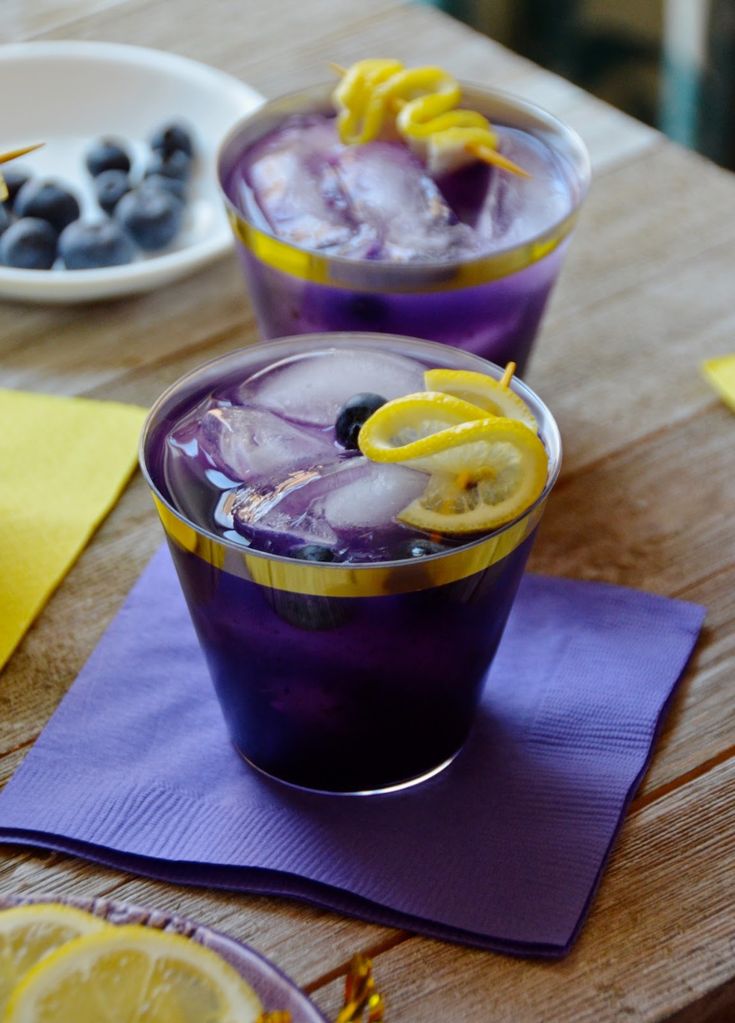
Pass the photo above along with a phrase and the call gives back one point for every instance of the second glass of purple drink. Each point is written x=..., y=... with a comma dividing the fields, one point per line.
x=489, y=303
x=356, y=676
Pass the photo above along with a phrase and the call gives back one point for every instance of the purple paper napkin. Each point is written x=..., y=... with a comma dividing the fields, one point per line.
x=504, y=850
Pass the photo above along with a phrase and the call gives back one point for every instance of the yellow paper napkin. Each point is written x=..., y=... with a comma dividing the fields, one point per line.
x=721, y=374
x=63, y=463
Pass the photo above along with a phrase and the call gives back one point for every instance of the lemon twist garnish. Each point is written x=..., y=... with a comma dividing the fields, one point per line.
x=381, y=98
x=479, y=389
x=485, y=469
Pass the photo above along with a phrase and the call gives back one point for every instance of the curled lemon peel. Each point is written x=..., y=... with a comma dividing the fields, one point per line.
x=475, y=440
x=381, y=98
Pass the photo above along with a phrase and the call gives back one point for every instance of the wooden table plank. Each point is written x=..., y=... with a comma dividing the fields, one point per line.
x=647, y=950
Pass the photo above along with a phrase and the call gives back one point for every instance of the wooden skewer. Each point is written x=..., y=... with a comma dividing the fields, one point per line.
x=15, y=153
x=337, y=69
x=492, y=156
x=508, y=375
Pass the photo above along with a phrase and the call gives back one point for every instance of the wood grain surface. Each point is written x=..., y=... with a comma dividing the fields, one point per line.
x=645, y=499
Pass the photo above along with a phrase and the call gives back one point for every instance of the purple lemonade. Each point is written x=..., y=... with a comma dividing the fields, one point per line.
x=337, y=237
x=348, y=650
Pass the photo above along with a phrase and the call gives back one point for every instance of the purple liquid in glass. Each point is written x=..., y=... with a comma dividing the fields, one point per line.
x=357, y=674
x=467, y=260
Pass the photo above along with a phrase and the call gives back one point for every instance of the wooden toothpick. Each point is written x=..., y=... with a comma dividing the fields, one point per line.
x=15, y=153
x=492, y=156
x=508, y=375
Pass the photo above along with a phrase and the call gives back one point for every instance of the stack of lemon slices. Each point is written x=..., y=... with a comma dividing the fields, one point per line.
x=477, y=441
x=61, y=965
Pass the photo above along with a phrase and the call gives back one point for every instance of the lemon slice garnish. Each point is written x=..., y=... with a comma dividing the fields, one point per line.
x=401, y=427
x=485, y=473
x=485, y=470
x=127, y=974
x=481, y=390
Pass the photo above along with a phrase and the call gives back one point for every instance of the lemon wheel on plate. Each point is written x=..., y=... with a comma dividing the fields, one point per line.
x=132, y=974
x=29, y=933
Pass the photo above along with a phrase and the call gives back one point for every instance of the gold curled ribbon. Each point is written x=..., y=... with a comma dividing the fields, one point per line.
x=361, y=995
x=363, y=1003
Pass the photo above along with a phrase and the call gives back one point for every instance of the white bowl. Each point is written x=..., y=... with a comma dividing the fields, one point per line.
x=67, y=94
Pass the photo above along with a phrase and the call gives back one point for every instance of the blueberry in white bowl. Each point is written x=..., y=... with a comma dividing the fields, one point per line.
x=49, y=201
x=107, y=154
x=172, y=165
x=87, y=245
x=110, y=186
x=29, y=244
x=14, y=178
x=172, y=185
x=172, y=138
x=152, y=217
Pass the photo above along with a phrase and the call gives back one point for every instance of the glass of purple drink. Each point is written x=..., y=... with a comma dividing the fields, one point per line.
x=348, y=651
x=361, y=238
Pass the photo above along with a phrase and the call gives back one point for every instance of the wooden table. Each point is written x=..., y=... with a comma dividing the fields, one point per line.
x=646, y=499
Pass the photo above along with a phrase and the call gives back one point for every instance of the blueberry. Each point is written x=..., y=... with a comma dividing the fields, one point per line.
x=314, y=552
x=107, y=154
x=419, y=548
x=368, y=312
x=5, y=219
x=355, y=411
x=308, y=612
x=172, y=185
x=110, y=186
x=45, y=200
x=152, y=217
x=170, y=165
x=15, y=178
x=29, y=244
x=84, y=246
x=172, y=138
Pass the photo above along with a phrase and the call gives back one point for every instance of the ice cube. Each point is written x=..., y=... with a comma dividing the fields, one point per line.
x=313, y=388
x=248, y=443
x=372, y=497
x=328, y=505
x=266, y=512
x=299, y=193
x=388, y=188
x=516, y=208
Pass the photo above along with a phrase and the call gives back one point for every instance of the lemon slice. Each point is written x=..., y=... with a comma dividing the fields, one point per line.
x=28, y=933
x=410, y=420
x=481, y=390
x=132, y=975
x=484, y=474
